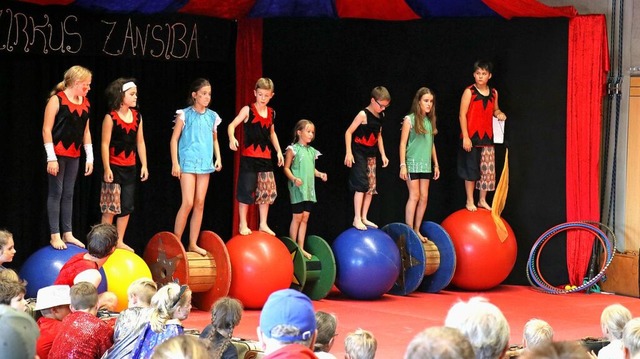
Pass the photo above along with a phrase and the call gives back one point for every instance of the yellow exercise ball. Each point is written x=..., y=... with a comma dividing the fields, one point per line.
x=121, y=269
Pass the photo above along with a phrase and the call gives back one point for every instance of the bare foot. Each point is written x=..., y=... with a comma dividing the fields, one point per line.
x=306, y=254
x=484, y=204
x=471, y=207
x=69, y=238
x=267, y=230
x=57, y=242
x=245, y=231
x=421, y=237
x=198, y=250
x=369, y=223
x=125, y=247
x=359, y=225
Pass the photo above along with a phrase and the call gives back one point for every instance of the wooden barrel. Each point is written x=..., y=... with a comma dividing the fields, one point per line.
x=202, y=272
x=432, y=255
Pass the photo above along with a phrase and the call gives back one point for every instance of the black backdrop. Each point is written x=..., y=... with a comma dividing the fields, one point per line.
x=323, y=70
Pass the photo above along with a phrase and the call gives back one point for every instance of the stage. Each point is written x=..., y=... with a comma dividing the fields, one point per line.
x=394, y=320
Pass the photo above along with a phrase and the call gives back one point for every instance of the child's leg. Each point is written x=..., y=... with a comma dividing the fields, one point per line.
x=66, y=205
x=296, y=218
x=188, y=188
x=202, y=184
x=422, y=206
x=53, y=208
x=263, y=209
x=358, y=199
x=366, y=203
x=487, y=180
x=121, y=226
x=243, y=210
x=302, y=232
x=412, y=202
x=482, y=202
x=469, y=187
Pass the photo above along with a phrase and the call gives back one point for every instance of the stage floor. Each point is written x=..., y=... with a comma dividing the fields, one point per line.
x=394, y=320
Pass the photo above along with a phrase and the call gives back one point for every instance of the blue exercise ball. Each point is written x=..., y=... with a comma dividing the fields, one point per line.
x=42, y=267
x=368, y=263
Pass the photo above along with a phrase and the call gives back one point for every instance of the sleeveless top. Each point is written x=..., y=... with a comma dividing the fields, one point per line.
x=195, y=146
x=480, y=117
x=303, y=166
x=124, y=139
x=419, y=147
x=365, y=137
x=257, y=133
x=69, y=125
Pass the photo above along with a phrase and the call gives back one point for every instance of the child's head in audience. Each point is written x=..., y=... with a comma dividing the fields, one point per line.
x=12, y=291
x=84, y=297
x=181, y=347
x=360, y=344
x=172, y=301
x=7, y=249
x=613, y=319
x=140, y=292
x=326, y=325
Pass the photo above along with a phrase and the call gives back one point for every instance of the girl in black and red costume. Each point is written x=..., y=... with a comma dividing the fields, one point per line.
x=65, y=129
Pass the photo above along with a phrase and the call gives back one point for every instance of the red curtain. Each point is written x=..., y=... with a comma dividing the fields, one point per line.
x=396, y=10
x=528, y=8
x=588, y=66
x=248, y=71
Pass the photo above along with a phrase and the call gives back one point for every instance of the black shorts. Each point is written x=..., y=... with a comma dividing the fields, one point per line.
x=420, y=175
x=469, y=163
x=248, y=177
x=304, y=206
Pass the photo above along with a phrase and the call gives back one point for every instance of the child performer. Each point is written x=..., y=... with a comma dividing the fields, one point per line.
x=121, y=136
x=225, y=316
x=193, y=145
x=417, y=151
x=476, y=160
x=65, y=129
x=256, y=183
x=361, y=139
x=300, y=169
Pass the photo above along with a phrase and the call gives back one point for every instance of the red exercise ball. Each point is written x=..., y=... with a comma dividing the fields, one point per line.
x=260, y=265
x=483, y=261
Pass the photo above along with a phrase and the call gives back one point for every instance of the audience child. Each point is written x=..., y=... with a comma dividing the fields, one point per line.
x=439, y=343
x=181, y=347
x=53, y=303
x=7, y=248
x=12, y=291
x=363, y=141
x=83, y=335
x=101, y=243
x=557, y=350
x=536, y=332
x=287, y=325
x=171, y=305
x=19, y=334
x=132, y=321
x=65, y=130
x=256, y=183
x=360, y=344
x=327, y=325
x=483, y=324
x=225, y=316
x=631, y=338
x=612, y=320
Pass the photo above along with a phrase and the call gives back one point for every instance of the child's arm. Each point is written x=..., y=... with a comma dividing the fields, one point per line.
x=496, y=110
x=88, y=149
x=404, y=138
x=276, y=145
x=289, y=155
x=321, y=175
x=434, y=160
x=357, y=121
x=107, y=127
x=464, y=106
x=383, y=155
x=216, y=149
x=177, y=131
x=49, y=118
x=231, y=129
x=142, y=153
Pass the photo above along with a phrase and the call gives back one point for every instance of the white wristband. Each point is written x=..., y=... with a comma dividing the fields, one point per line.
x=88, y=149
x=51, y=153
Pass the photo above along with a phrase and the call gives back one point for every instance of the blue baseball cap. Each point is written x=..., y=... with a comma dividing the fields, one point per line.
x=288, y=307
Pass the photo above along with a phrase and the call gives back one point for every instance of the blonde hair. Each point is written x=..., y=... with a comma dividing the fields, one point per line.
x=537, y=332
x=143, y=288
x=71, y=76
x=614, y=318
x=10, y=274
x=360, y=344
x=265, y=83
x=4, y=239
x=83, y=295
x=181, y=347
x=165, y=303
x=380, y=93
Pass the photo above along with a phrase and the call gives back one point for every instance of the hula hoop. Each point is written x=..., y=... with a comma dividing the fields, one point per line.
x=534, y=276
